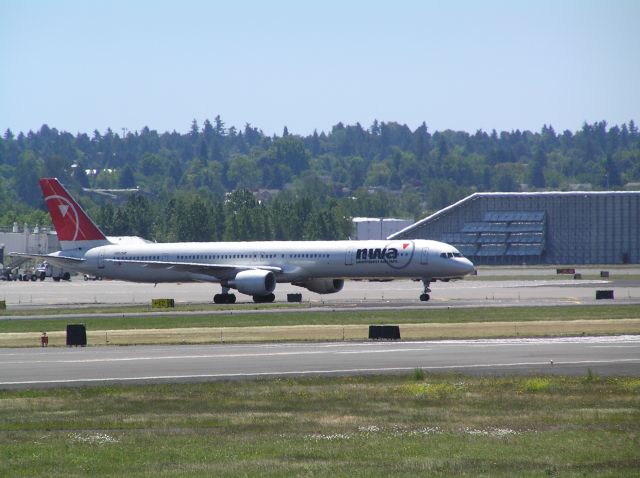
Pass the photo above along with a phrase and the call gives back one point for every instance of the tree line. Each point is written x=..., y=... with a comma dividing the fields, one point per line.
x=314, y=181
x=190, y=217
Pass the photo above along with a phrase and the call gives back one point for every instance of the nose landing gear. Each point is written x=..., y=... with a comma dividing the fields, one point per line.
x=424, y=297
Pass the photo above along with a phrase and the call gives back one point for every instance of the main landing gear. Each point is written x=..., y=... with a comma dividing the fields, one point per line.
x=264, y=299
x=424, y=297
x=225, y=297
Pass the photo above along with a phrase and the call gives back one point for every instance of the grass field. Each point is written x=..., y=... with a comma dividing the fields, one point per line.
x=417, y=425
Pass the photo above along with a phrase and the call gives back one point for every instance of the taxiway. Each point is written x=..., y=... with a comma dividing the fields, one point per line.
x=465, y=293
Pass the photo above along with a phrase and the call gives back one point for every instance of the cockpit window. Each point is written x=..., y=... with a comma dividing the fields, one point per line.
x=449, y=255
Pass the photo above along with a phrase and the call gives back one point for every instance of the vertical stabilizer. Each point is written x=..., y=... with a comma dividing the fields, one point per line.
x=72, y=224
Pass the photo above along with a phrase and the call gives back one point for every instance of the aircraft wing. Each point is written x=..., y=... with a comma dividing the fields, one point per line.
x=59, y=261
x=221, y=271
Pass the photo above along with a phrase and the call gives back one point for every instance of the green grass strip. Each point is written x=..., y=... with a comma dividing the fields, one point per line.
x=335, y=317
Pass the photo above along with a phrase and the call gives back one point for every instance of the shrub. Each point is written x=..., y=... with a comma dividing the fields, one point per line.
x=536, y=384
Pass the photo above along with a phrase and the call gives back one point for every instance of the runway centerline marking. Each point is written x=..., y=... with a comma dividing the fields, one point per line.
x=382, y=351
x=210, y=356
x=615, y=347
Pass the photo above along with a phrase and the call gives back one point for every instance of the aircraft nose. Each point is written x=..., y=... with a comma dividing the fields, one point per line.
x=466, y=266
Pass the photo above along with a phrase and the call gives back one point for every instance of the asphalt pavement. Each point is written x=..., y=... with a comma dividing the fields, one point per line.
x=465, y=293
x=42, y=367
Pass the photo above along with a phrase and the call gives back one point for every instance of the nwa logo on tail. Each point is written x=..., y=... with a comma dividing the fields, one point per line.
x=71, y=222
x=397, y=254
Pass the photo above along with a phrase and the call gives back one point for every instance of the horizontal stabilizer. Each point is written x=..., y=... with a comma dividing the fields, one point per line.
x=60, y=261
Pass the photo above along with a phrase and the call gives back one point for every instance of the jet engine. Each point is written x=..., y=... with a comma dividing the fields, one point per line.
x=254, y=282
x=322, y=286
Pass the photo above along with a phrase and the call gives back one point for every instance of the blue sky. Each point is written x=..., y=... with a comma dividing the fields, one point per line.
x=465, y=65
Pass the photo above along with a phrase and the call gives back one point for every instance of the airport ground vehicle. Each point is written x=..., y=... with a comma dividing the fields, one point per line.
x=45, y=270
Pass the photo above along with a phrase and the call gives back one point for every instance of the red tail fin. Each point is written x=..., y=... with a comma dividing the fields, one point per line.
x=70, y=221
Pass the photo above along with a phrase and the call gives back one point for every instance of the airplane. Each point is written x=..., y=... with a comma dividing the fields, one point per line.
x=251, y=268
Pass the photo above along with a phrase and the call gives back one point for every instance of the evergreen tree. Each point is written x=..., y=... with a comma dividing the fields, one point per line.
x=127, y=180
x=208, y=131
x=194, y=133
x=612, y=178
x=537, y=169
x=203, y=153
x=80, y=175
x=104, y=218
x=315, y=143
x=26, y=178
x=219, y=126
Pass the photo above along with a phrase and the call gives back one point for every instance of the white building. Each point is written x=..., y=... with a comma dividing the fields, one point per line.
x=38, y=240
x=377, y=227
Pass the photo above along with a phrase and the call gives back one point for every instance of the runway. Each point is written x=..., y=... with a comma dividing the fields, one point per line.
x=20, y=368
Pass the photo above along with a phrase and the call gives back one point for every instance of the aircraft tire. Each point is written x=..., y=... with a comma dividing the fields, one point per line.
x=424, y=297
x=264, y=299
x=224, y=299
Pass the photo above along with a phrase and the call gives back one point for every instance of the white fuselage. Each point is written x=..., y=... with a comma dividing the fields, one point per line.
x=292, y=260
